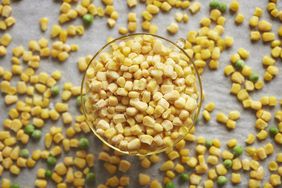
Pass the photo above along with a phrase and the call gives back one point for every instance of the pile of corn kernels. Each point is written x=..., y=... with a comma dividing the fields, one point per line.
x=35, y=99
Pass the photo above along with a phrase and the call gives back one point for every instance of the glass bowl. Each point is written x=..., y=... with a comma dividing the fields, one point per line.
x=87, y=107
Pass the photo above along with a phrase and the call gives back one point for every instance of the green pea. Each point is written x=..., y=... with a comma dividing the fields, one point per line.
x=254, y=77
x=273, y=131
x=15, y=185
x=221, y=180
x=48, y=174
x=90, y=177
x=184, y=177
x=29, y=129
x=227, y=163
x=239, y=64
x=78, y=101
x=222, y=7
x=214, y=4
x=55, y=90
x=24, y=153
x=208, y=143
x=238, y=150
x=51, y=161
x=36, y=135
x=169, y=185
x=83, y=143
x=88, y=19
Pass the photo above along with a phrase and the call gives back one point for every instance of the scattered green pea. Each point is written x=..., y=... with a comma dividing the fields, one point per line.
x=238, y=150
x=222, y=7
x=78, y=101
x=169, y=185
x=254, y=77
x=36, y=135
x=184, y=177
x=88, y=19
x=273, y=131
x=24, y=153
x=208, y=143
x=221, y=180
x=48, y=174
x=15, y=185
x=239, y=64
x=29, y=129
x=51, y=161
x=90, y=177
x=55, y=90
x=214, y=4
x=83, y=143
x=227, y=163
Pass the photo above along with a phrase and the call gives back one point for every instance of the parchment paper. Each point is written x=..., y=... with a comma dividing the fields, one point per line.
x=216, y=86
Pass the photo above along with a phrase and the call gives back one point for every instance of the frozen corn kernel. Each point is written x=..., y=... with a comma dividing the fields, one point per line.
x=264, y=26
x=239, y=19
x=195, y=7
x=172, y=28
x=234, y=6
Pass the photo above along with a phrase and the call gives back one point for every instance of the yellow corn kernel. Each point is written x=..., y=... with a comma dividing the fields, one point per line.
x=227, y=155
x=213, y=160
x=255, y=36
x=210, y=107
x=143, y=179
x=250, y=139
x=172, y=28
x=232, y=143
x=253, y=22
x=123, y=30
x=192, y=162
x=152, y=9
x=228, y=70
x=131, y=3
x=262, y=135
x=236, y=164
x=168, y=165
x=244, y=54
x=275, y=180
x=208, y=183
x=195, y=179
x=260, y=153
x=215, y=151
x=239, y=19
x=272, y=166
x=220, y=169
x=155, y=184
x=5, y=39
x=40, y=183
x=60, y=169
x=276, y=51
x=15, y=170
x=278, y=138
x=206, y=115
x=268, y=36
x=221, y=118
x=195, y=7
x=235, y=178
x=9, y=21
x=179, y=168
x=234, y=115
x=264, y=26
x=237, y=77
x=56, y=30
x=212, y=174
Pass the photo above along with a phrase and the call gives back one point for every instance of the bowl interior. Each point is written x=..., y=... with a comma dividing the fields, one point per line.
x=87, y=105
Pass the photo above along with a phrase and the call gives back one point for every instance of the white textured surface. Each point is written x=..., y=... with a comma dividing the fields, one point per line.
x=216, y=86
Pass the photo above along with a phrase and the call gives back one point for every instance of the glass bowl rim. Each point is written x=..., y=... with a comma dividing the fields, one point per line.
x=199, y=104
